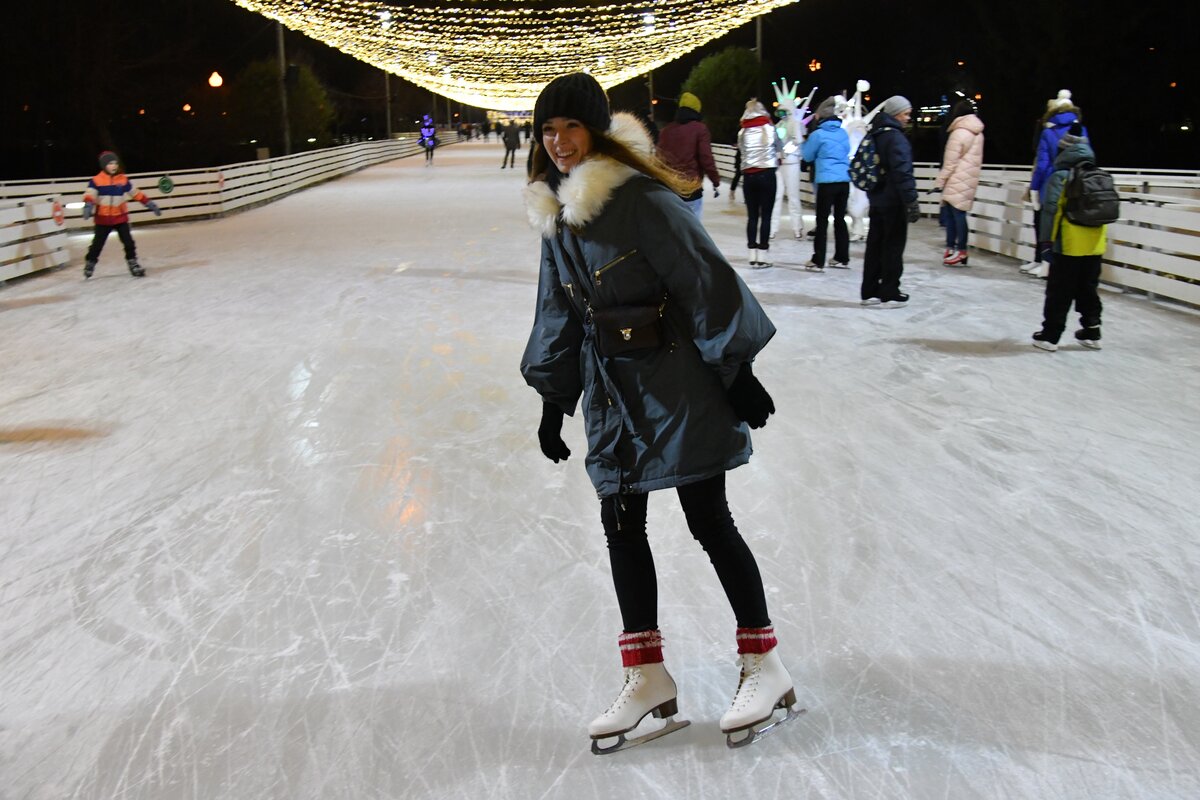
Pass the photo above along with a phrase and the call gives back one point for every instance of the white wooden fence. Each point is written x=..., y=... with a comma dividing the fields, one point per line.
x=35, y=216
x=1153, y=248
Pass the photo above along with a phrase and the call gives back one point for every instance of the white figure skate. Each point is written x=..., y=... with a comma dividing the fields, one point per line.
x=648, y=689
x=764, y=688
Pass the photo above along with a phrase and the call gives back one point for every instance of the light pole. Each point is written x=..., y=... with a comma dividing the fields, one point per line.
x=387, y=103
x=287, y=128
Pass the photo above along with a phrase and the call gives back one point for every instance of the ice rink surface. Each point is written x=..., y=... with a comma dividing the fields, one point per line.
x=275, y=525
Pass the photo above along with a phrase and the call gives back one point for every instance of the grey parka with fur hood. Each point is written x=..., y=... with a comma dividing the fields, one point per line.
x=656, y=419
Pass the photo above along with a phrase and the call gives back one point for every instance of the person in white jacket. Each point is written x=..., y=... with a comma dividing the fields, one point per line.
x=958, y=179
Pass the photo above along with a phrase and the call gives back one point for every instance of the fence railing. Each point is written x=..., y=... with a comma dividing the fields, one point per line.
x=35, y=216
x=1153, y=248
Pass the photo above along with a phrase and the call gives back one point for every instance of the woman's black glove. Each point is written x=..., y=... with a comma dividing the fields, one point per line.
x=550, y=434
x=749, y=399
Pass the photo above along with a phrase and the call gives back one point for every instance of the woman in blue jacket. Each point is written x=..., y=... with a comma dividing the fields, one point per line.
x=618, y=240
x=828, y=147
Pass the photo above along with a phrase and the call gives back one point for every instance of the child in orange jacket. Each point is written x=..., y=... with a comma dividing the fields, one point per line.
x=106, y=198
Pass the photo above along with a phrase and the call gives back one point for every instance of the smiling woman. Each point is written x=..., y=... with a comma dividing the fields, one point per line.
x=644, y=325
x=567, y=141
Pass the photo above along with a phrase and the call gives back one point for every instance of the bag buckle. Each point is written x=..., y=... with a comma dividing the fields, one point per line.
x=627, y=333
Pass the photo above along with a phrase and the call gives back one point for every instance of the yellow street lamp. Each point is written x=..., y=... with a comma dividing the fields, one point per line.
x=215, y=79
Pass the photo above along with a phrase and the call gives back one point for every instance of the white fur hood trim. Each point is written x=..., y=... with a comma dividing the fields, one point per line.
x=584, y=193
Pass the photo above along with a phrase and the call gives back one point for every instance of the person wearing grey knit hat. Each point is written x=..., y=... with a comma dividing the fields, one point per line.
x=828, y=108
x=827, y=148
x=893, y=206
x=895, y=105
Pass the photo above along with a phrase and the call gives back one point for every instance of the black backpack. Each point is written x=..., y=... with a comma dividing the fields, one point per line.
x=865, y=170
x=1091, y=197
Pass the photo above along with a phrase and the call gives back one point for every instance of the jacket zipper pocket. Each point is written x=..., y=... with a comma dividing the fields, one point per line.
x=612, y=264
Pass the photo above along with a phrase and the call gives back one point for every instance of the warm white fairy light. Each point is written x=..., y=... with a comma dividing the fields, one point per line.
x=500, y=53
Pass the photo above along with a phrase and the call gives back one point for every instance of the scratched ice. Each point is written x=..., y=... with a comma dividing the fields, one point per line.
x=275, y=525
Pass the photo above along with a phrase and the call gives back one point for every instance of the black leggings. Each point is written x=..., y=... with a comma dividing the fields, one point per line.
x=759, y=190
x=101, y=236
x=711, y=524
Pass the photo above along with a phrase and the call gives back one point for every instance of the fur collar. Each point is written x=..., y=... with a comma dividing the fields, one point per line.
x=584, y=193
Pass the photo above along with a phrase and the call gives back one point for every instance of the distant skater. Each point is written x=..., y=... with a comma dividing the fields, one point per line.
x=428, y=138
x=511, y=136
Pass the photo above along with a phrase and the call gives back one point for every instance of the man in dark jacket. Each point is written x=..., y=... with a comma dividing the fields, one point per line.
x=511, y=135
x=893, y=206
x=686, y=145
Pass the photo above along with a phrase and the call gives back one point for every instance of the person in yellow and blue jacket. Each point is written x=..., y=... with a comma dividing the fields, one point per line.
x=107, y=200
x=1077, y=249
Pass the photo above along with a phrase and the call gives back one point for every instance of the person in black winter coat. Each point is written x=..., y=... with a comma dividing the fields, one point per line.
x=511, y=135
x=893, y=206
x=668, y=410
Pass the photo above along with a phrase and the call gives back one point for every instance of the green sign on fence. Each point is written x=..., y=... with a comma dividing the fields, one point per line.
x=166, y=185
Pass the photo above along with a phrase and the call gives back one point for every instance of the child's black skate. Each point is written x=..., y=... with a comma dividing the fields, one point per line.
x=135, y=269
x=1089, y=337
x=1043, y=341
x=89, y=267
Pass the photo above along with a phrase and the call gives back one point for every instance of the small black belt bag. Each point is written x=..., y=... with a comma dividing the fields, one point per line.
x=621, y=330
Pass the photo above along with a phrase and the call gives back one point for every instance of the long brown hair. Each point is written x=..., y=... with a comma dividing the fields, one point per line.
x=542, y=168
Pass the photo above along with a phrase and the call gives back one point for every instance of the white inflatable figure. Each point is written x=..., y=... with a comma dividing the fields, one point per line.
x=791, y=136
x=856, y=124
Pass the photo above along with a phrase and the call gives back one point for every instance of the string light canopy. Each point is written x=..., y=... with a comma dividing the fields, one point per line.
x=499, y=54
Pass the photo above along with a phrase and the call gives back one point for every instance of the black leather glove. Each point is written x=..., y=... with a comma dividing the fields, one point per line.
x=914, y=211
x=550, y=434
x=749, y=399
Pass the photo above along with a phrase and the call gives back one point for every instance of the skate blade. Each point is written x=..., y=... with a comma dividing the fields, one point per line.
x=624, y=744
x=753, y=735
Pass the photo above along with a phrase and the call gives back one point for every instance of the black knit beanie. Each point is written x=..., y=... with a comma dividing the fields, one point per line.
x=107, y=157
x=578, y=96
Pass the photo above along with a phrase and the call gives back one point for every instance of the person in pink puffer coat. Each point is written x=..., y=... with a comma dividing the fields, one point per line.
x=959, y=178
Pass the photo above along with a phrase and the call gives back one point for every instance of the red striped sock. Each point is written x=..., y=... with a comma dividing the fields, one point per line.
x=756, y=640
x=644, y=647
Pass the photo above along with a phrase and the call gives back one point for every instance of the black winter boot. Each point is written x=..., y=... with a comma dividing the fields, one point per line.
x=135, y=269
x=89, y=267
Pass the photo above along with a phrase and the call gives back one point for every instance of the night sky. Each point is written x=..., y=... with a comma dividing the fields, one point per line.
x=80, y=72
